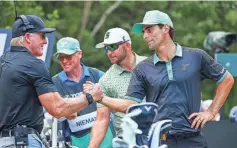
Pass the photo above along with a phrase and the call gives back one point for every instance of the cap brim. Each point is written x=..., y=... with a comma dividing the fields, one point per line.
x=47, y=30
x=138, y=27
x=100, y=45
x=65, y=51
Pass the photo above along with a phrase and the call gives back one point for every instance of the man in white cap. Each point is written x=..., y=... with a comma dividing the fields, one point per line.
x=172, y=78
x=118, y=46
x=69, y=83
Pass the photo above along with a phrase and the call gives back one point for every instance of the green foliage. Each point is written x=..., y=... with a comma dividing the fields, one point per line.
x=192, y=22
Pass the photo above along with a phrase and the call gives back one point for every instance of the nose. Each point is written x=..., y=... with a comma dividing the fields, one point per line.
x=109, y=52
x=45, y=41
x=65, y=60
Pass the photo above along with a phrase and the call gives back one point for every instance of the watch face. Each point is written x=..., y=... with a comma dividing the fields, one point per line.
x=89, y=98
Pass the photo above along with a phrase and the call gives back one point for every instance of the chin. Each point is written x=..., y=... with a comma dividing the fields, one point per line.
x=113, y=62
x=38, y=55
x=66, y=70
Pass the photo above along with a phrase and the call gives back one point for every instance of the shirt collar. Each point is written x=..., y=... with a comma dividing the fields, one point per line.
x=178, y=53
x=63, y=76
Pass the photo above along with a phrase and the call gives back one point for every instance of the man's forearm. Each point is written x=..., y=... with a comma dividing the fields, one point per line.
x=117, y=104
x=222, y=92
x=68, y=106
x=99, y=128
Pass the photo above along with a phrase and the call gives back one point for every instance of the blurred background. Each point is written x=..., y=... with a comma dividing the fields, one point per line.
x=88, y=21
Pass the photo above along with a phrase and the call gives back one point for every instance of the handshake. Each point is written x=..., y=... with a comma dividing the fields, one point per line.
x=94, y=90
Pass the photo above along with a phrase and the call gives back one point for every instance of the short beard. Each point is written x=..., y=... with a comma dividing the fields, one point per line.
x=122, y=57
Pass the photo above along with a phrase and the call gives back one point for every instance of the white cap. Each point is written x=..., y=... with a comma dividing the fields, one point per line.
x=114, y=35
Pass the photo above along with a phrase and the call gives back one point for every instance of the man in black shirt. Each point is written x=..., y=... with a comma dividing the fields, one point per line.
x=26, y=86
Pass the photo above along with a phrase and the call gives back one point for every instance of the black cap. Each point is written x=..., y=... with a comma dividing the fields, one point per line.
x=29, y=23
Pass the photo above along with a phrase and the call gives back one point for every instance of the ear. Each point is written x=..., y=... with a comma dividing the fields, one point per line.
x=27, y=38
x=166, y=29
x=127, y=45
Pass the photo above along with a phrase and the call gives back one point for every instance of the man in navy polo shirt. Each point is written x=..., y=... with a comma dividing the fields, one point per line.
x=173, y=78
x=26, y=87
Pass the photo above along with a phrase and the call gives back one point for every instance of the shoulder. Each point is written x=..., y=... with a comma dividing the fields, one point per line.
x=100, y=73
x=193, y=50
x=141, y=58
x=38, y=66
x=145, y=61
x=94, y=69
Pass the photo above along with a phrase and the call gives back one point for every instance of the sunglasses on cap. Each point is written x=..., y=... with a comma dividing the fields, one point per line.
x=113, y=47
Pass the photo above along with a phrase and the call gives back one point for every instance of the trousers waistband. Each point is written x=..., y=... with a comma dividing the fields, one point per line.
x=182, y=135
x=10, y=133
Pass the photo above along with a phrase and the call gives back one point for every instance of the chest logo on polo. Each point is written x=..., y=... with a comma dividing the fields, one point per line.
x=184, y=67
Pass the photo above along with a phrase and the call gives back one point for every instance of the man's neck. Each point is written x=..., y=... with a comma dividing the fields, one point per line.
x=129, y=62
x=76, y=73
x=166, y=51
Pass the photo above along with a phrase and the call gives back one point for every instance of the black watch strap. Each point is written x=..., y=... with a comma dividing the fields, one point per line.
x=89, y=98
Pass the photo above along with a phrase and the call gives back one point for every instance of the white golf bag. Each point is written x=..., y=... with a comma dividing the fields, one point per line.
x=140, y=129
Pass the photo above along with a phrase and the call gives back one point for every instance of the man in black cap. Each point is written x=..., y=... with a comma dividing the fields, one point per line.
x=26, y=87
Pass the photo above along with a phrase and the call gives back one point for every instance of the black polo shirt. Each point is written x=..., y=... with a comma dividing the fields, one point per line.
x=23, y=78
x=175, y=86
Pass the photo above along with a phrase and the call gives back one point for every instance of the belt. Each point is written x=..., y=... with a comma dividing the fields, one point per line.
x=179, y=136
x=10, y=133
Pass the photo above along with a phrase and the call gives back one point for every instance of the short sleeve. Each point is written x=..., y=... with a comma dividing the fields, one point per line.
x=136, y=88
x=40, y=78
x=211, y=69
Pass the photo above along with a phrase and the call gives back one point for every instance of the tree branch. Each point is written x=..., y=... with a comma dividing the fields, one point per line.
x=87, y=7
x=104, y=16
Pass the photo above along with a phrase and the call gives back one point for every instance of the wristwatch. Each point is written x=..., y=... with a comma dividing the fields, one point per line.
x=89, y=98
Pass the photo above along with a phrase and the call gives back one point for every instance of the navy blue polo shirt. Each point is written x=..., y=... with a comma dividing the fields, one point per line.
x=175, y=86
x=23, y=78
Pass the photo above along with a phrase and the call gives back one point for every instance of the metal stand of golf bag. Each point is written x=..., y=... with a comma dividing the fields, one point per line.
x=140, y=129
x=52, y=135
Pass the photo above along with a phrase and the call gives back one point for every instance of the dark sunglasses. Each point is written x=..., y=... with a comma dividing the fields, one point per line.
x=42, y=35
x=113, y=47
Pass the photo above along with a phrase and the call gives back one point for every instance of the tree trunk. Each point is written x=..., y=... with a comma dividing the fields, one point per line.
x=104, y=16
x=85, y=18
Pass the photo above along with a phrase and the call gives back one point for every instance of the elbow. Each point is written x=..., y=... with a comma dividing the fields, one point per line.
x=55, y=113
x=57, y=116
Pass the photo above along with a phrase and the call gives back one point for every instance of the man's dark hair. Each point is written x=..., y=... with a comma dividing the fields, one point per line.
x=171, y=31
